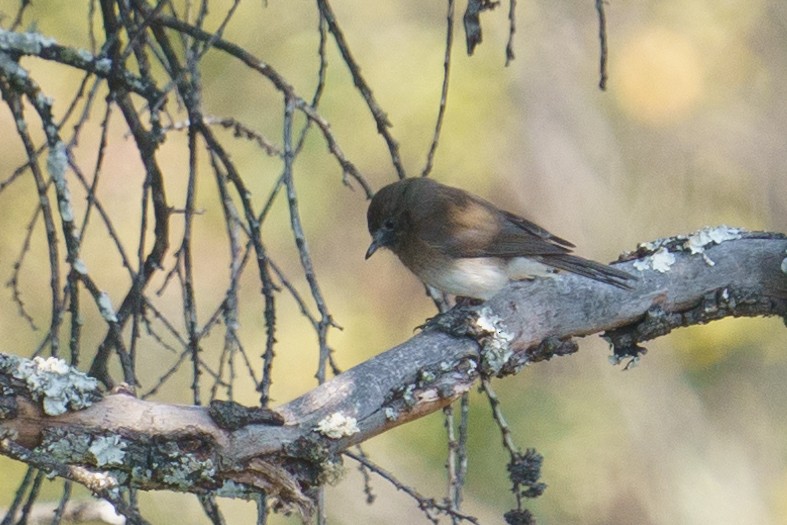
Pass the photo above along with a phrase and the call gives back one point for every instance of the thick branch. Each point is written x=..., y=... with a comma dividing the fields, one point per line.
x=187, y=450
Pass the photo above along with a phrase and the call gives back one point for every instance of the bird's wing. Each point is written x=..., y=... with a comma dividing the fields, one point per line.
x=478, y=229
x=535, y=229
x=519, y=237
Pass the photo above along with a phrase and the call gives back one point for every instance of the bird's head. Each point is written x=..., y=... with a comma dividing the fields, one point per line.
x=385, y=216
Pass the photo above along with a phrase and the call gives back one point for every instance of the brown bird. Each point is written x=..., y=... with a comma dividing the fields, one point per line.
x=461, y=244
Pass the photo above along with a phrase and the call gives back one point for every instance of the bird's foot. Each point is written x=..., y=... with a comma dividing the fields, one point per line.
x=455, y=321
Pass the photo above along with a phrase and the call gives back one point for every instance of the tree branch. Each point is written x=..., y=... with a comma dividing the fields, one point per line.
x=684, y=280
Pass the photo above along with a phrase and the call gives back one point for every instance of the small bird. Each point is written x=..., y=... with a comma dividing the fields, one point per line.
x=463, y=245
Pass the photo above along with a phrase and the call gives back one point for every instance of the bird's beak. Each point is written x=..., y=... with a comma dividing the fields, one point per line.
x=372, y=248
x=378, y=241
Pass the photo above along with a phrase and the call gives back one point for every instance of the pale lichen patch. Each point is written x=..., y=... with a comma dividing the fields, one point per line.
x=106, y=308
x=661, y=261
x=699, y=240
x=57, y=385
x=337, y=425
x=27, y=43
x=494, y=340
x=108, y=450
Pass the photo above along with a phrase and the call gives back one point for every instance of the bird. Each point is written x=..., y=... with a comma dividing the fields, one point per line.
x=463, y=245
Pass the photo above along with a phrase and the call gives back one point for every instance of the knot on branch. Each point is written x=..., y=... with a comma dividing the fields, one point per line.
x=230, y=415
x=544, y=351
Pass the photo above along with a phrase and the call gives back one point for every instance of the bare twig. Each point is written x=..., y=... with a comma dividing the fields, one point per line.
x=449, y=40
x=457, y=451
x=511, y=31
x=325, y=321
x=282, y=85
x=602, y=37
x=12, y=71
x=366, y=92
x=429, y=506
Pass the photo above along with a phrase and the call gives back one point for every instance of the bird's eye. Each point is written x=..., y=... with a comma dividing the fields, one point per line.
x=388, y=224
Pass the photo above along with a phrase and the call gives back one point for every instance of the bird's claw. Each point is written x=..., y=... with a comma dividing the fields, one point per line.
x=455, y=321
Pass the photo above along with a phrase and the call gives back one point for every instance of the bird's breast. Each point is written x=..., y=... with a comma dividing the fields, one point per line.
x=480, y=277
x=477, y=277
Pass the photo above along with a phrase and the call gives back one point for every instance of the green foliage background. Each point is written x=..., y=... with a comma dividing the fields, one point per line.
x=691, y=132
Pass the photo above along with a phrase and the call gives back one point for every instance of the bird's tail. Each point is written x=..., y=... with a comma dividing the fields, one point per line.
x=591, y=270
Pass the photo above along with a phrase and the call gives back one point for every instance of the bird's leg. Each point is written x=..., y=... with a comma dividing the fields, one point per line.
x=468, y=301
x=455, y=320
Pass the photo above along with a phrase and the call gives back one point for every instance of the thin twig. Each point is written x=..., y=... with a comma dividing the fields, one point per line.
x=186, y=256
x=367, y=479
x=380, y=118
x=602, y=36
x=15, y=105
x=31, y=497
x=511, y=31
x=457, y=451
x=453, y=485
x=19, y=496
x=282, y=85
x=100, y=484
x=238, y=129
x=449, y=41
x=211, y=508
x=325, y=321
x=61, y=506
x=497, y=414
x=13, y=281
x=428, y=505
x=461, y=451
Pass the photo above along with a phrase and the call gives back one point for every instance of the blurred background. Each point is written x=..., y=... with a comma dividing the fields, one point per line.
x=691, y=132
